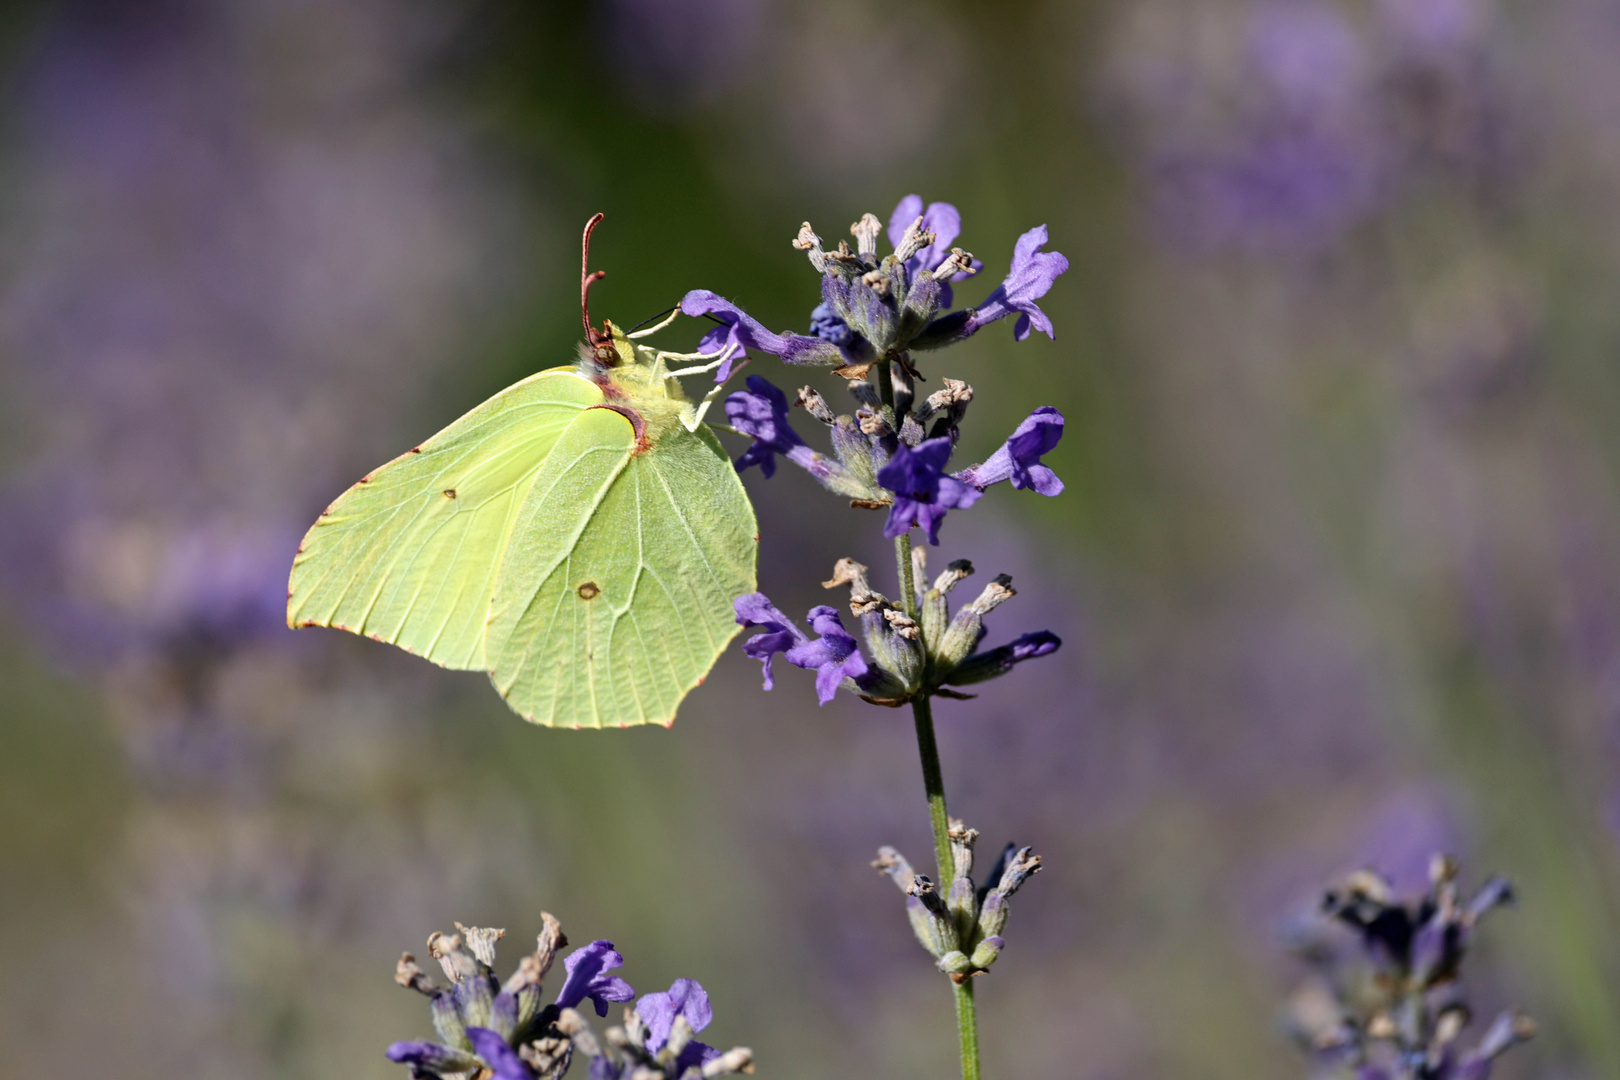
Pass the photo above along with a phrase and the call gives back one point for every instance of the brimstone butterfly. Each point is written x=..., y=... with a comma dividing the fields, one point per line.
x=580, y=536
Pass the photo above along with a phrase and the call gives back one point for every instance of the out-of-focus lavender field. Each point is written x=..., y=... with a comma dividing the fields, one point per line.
x=1337, y=570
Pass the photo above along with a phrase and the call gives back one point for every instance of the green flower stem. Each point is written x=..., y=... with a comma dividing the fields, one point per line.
x=967, y=1018
x=922, y=711
x=967, y=1029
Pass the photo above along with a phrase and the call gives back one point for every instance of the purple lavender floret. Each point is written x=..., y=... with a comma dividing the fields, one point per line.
x=1031, y=277
x=922, y=491
x=502, y=1060
x=1019, y=458
x=826, y=325
x=685, y=997
x=586, y=979
x=749, y=333
x=432, y=1057
x=760, y=412
x=832, y=655
x=1002, y=659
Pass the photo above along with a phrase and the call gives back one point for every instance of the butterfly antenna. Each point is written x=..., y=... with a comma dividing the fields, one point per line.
x=600, y=340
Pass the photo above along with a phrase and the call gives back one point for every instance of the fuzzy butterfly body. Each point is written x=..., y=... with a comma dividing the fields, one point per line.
x=579, y=536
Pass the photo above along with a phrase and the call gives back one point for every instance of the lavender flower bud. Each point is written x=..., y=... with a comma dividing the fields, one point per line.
x=448, y=950
x=916, y=237
x=447, y=1021
x=956, y=964
x=482, y=942
x=533, y=968
x=962, y=840
x=858, y=454
x=934, y=615
x=941, y=927
x=945, y=407
x=893, y=639
x=862, y=599
x=866, y=232
x=865, y=394
x=807, y=241
x=955, y=571
x=892, y=863
x=408, y=975
x=739, y=1059
x=1022, y=863
x=965, y=631
x=1002, y=659
x=814, y=404
x=475, y=999
x=985, y=953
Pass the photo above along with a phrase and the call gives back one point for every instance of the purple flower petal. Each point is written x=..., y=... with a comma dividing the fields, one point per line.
x=833, y=655
x=996, y=662
x=1031, y=277
x=501, y=1058
x=685, y=997
x=1019, y=458
x=922, y=491
x=756, y=609
x=586, y=979
x=722, y=337
x=429, y=1055
x=749, y=333
x=761, y=413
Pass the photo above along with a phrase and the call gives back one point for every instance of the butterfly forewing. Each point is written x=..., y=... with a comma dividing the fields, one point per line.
x=410, y=554
x=614, y=598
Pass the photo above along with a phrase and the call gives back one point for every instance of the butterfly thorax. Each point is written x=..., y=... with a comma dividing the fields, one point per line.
x=635, y=382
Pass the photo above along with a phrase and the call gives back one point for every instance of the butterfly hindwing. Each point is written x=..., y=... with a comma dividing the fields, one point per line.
x=409, y=555
x=614, y=597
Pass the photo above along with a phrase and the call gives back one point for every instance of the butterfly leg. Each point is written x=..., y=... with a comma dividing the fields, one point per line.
x=708, y=399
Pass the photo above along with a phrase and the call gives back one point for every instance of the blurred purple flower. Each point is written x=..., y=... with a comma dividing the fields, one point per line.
x=1019, y=458
x=922, y=491
x=832, y=655
x=586, y=968
x=686, y=54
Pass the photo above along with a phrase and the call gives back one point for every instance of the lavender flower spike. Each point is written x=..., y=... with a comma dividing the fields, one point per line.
x=586, y=979
x=922, y=491
x=832, y=656
x=747, y=332
x=1019, y=459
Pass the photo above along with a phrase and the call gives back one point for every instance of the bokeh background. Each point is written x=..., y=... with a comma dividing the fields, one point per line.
x=1337, y=570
